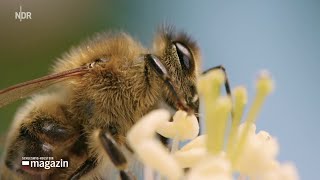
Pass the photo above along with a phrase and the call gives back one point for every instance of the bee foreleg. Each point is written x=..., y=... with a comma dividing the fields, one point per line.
x=87, y=166
x=115, y=154
x=162, y=72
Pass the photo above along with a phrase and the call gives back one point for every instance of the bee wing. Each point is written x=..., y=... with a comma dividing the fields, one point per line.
x=25, y=89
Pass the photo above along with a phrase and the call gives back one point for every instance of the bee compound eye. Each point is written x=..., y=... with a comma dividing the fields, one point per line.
x=185, y=56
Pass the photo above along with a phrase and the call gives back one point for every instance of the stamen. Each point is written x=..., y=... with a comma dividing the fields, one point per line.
x=209, y=87
x=264, y=87
x=210, y=83
x=240, y=100
x=217, y=124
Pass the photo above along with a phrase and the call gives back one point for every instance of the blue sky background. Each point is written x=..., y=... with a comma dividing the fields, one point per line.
x=281, y=36
x=247, y=36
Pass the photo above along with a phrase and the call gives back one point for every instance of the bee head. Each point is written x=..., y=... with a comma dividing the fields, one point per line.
x=181, y=57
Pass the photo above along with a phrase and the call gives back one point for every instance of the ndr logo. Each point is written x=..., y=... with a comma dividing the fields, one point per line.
x=22, y=15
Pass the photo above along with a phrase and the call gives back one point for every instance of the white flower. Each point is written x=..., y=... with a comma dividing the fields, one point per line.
x=192, y=153
x=218, y=154
x=285, y=171
x=150, y=151
x=183, y=127
x=258, y=154
x=212, y=167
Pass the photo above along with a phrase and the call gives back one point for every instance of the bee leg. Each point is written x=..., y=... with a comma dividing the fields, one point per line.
x=87, y=166
x=115, y=154
x=162, y=72
x=226, y=83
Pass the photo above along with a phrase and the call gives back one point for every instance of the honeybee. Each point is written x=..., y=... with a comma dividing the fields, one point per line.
x=94, y=95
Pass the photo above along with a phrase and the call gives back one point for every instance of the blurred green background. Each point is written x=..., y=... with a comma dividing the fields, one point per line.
x=28, y=48
x=245, y=36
